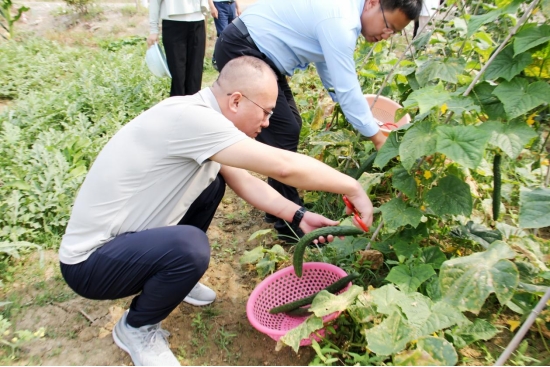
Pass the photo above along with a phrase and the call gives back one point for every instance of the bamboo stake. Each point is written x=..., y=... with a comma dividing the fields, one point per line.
x=523, y=330
x=502, y=45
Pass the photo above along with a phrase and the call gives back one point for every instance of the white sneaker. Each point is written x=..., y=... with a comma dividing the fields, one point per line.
x=146, y=345
x=200, y=295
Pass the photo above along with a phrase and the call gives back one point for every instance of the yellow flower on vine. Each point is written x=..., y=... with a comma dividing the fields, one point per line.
x=444, y=108
x=531, y=119
x=427, y=175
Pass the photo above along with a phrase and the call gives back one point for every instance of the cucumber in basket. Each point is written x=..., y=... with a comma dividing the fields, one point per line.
x=298, y=259
x=333, y=288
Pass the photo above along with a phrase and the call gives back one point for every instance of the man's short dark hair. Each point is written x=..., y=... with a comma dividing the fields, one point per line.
x=411, y=8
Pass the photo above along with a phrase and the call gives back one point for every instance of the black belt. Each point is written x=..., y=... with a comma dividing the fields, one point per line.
x=228, y=2
x=244, y=31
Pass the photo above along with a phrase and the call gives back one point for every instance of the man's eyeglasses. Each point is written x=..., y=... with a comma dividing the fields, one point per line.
x=267, y=114
x=384, y=16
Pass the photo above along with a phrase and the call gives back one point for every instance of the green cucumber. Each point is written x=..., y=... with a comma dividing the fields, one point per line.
x=313, y=235
x=496, y=186
x=366, y=166
x=333, y=288
x=300, y=311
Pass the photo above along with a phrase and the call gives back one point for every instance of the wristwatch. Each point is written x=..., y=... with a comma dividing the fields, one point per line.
x=297, y=219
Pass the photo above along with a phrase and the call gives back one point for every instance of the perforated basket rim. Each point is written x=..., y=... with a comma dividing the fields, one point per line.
x=275, y=333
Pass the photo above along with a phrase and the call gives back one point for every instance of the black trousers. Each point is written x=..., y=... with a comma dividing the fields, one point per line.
x=284, y=126
x=184, y=45
x=162, y=265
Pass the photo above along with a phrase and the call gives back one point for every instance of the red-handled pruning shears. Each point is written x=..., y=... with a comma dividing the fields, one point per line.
x=355, y=214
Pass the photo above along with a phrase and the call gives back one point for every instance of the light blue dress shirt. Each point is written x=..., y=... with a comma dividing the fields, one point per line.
x=294, y=33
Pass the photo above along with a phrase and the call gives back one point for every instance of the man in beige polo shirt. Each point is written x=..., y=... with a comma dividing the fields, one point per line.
x=138, y=223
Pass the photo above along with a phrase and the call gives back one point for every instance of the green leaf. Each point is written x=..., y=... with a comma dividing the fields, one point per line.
x=369, y=180
x=439, y=349
x=510, y=137
x=390, y=336
x=386, y=298
x=409, y=277
x=506, y=65
x=265, y=266
x=433, y=255
x=416, y=357
x=404, y=249
x=397, y=213
x=477, y=21
x=531, y=35
x=462, y=144
x=451, y=197
x=252, y=256
x=18, y=185
x=545, y=7
x=466, y=282
x=419, y=140
x=404, y=181
x=389, y=150
x=326, y=303
x=478, y=233
x=446, y=70
x=534, y=208
x=490, y=104
x=259, y=233
x=303, y=331
x=460, y=104
x=519, y=97
x=427, y=98
x=480, y=329
x=531, y=249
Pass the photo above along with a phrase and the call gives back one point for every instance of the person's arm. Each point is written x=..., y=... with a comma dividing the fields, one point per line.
x=296, y=170
x=262, y=196
x=154, y=16
x=338, y=42
x=213, y=9
x=237, y=8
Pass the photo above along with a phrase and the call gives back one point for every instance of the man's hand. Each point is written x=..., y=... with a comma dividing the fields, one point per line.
x=312, y=221
x=237, y=9
x=152, y=39
x=378, y=139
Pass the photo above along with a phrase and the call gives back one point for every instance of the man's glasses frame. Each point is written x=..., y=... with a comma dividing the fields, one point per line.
x=267, y=114
x=384, y=16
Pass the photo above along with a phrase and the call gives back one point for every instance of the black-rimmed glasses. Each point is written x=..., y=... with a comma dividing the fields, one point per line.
x=267, y=114
x=384, y=16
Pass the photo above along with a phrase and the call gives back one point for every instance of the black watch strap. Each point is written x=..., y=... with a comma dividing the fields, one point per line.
x=297, y=219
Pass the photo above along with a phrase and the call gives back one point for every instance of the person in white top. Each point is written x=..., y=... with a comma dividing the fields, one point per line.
x=139, y=220
x=184, y=40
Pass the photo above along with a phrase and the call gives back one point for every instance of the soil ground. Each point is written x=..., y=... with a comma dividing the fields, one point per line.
x=78, y=330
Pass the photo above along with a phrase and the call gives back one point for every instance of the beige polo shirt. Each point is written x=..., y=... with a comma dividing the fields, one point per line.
x=149, y=173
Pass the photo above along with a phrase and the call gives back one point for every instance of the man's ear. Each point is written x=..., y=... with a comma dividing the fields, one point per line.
x=371, y=3
x=233, y=102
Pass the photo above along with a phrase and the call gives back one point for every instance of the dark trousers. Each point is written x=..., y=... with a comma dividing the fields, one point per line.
x=285, y=124
x=161, y=264
x=185, y=45
x=226, y=13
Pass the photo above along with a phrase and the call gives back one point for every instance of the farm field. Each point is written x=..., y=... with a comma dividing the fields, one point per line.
x=457, y=257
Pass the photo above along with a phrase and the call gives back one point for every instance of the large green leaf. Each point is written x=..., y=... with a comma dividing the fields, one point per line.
x=430, y=351
x=252, y=256
x=478, y=330
x=409, y=277
x=506, y=65
x=477, y=21
x=530, y=36
x=510, y=137
x=478, y=233
x=397, y=213
x=370, y=180
x=389, y=150
x=519, y=97
x=460, y=104
x=386, y=298
x=427, y=98
x=326, y=303
x=490, y=104
x=534, y=208
x=303, y=331
x=462, y=144
x=433, y=255
x=451, y=197
x=466, y=282
x=389, y=337
x=446, y=70
x=419, y=140
x=404, y=181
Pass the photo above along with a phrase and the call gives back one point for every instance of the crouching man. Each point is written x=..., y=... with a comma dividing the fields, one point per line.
x=138, y=223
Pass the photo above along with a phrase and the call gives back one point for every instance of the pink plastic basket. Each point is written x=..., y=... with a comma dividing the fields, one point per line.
x=283, y=287
x=384, y=111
